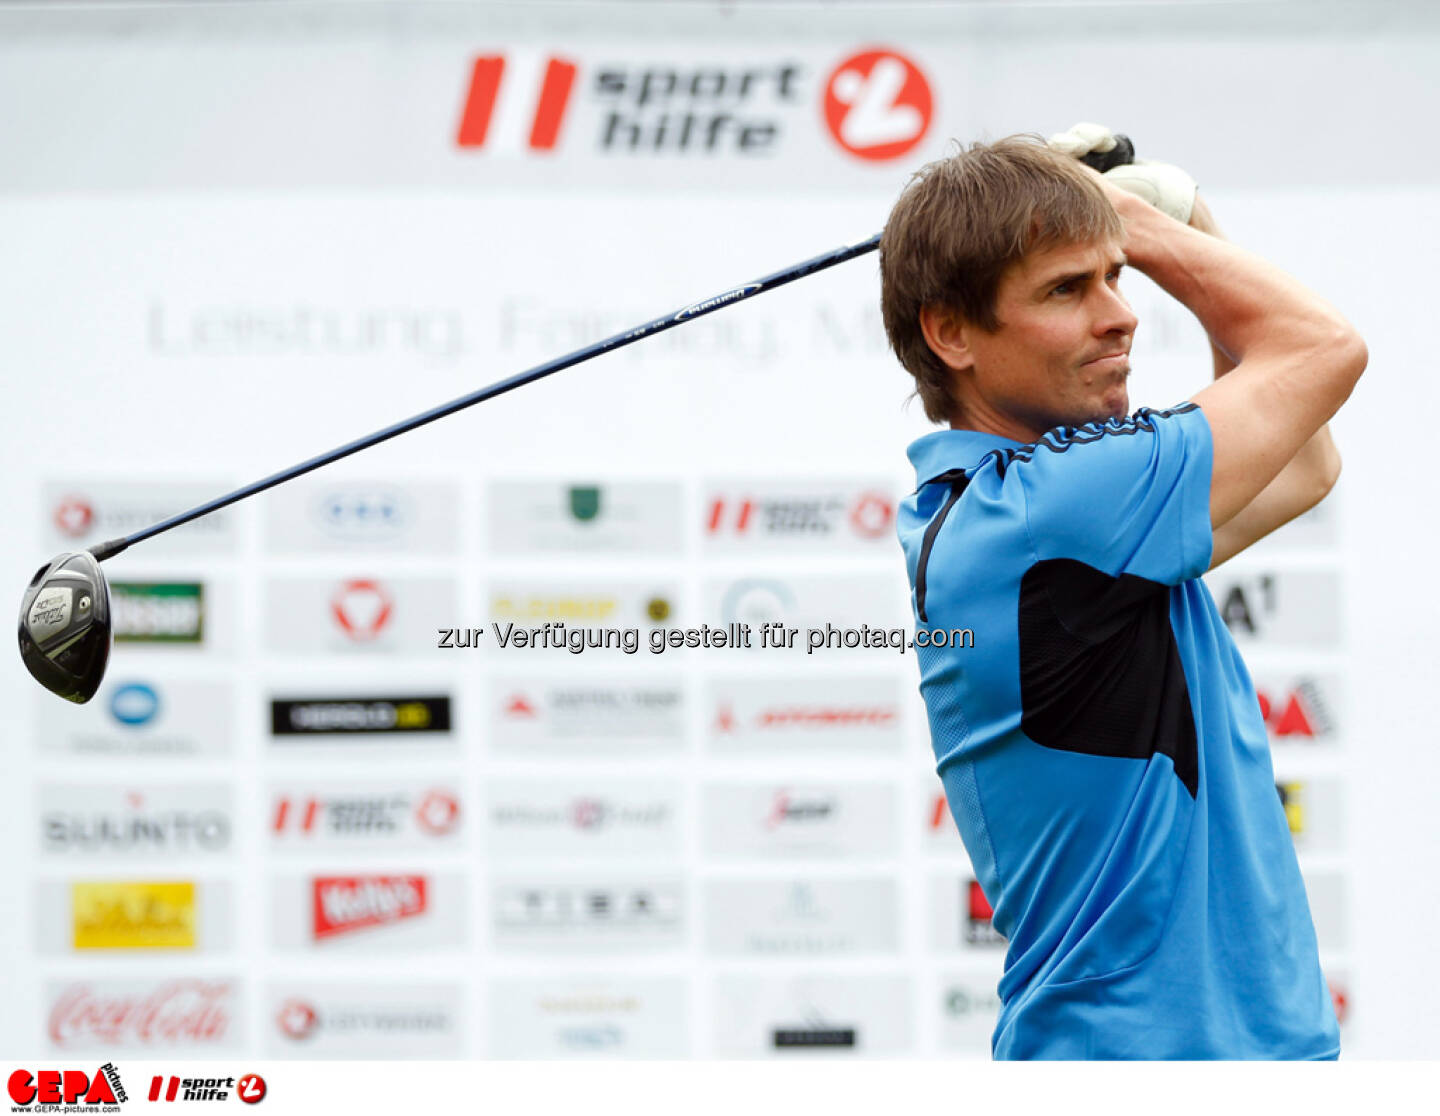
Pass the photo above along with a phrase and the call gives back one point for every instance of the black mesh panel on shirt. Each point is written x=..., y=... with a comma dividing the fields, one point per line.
x=1100, y=671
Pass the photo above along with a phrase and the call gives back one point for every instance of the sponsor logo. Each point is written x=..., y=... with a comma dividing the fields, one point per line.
x=537, y=517
x=305, y=716
x=595, y=1036
x=345, y=904
x=112, y=510
x=1299, y=711
x=757, y=601
x=519, y=706
x=362, y=514
x=251, y=1088
x=635, y=110
x=362, y=608
x=586, y=815
x=436, y=813
x=74, y=517
x=580, y=906
x=297, y=1020
x=301, y=1020
x=191, y=1088
x=176, y=1013
x=801, y=917
x=1339, y=998
x=577, y=608
x=1298, y=607
x=789, y=808
x=596, y=710
x=965, y=1003
x=584, y=503
x=812, y=1036
x=779, y=718
x=71, y=1087
x=552, y=100
x=147, y=915
x=868, y=515
x=878, y=105
x=979, y=929
x=135, y=704
x=158, y=611
x=1292, y=800
x=136, y=829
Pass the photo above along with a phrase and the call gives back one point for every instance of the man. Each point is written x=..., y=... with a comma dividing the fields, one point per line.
x=1101, y=743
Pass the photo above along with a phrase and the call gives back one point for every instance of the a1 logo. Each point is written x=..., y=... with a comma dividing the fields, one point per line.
x=251, y=1088
x=878, y=104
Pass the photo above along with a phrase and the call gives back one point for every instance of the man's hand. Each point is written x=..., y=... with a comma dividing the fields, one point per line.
x=1166, y=187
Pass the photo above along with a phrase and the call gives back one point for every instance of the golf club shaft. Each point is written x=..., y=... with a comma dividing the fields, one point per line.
x=109, y=549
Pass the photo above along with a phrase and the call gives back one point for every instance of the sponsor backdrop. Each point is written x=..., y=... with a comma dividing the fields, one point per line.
x=583, y=724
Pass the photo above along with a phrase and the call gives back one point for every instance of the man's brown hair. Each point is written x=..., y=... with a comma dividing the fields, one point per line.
x=959, y=224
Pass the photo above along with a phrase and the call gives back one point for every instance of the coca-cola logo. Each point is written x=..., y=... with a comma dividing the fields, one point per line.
x=177, y=1013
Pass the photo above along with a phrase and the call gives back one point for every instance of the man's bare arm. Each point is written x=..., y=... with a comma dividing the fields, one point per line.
x=1296, y=358
x=1302, y=484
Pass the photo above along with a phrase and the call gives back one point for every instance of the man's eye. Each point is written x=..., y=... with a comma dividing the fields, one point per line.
x=1063, y=288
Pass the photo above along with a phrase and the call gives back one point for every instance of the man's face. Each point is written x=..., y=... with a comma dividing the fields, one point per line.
x=1062, y=352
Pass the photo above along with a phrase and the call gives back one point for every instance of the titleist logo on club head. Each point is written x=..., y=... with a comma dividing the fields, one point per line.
x=717, y=301
x=346, y=903
x=178, y=1012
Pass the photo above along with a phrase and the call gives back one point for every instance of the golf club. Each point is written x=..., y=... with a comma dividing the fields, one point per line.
x=65, y=623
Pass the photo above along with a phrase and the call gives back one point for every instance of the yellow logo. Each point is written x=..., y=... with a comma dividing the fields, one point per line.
x=1294, y=804
x=115, y=915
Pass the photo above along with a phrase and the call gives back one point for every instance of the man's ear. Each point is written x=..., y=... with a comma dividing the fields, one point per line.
x=947, y=335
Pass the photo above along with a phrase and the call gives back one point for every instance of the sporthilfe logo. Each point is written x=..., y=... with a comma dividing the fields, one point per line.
x=878, y=104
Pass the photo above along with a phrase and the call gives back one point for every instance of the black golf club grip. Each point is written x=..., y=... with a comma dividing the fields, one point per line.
x=1122, y=154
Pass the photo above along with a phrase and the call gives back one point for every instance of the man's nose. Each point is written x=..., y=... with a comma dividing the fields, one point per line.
x=1113, y=313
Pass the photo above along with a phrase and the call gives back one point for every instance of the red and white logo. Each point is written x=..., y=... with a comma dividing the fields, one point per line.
x=588, y=813
x=519, y=705
x=63, y=1086
x=177, y=1013
x=362, y=608
x=552, y=99
x=74, y=516
x=344, y=904
x=940, y=816
x=739, y=514
x=297, y=1019
x=251, y=1088
x=788, y=807
x=1296, y=713
x=872, y=514
x=812, y=717
x=878, y=104
x=437, y=812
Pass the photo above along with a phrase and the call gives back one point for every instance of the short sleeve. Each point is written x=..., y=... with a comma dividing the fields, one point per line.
x=1129, y=496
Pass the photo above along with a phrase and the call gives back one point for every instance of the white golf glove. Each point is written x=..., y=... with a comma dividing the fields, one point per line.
x=1165, y=186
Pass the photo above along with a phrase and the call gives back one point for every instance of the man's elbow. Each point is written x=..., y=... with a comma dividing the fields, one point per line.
x=1320, y=475
x=1349, y=355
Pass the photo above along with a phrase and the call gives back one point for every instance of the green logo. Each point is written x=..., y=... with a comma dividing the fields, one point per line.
x=584, y=502
x=158, y=611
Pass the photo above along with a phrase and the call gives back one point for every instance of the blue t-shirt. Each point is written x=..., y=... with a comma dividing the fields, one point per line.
x=1102, y=748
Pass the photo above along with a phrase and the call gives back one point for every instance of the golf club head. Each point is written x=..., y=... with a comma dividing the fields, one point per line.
x=65, y=626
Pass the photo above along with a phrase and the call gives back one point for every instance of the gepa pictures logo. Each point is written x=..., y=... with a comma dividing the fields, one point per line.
x=875, y=105
x=99, y=1091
